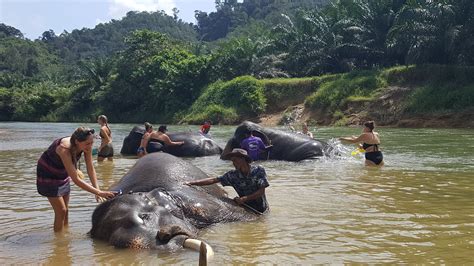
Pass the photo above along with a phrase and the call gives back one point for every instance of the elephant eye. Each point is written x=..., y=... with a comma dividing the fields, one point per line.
x=144, y=216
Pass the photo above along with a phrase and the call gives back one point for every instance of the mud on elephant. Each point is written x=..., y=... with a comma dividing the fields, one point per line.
x=287, y=146
x=195, y=144
x=157, y=211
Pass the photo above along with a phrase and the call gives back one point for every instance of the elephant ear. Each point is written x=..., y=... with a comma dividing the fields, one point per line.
x=263, y=136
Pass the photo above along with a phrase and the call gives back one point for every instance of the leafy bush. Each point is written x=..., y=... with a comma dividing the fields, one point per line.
x=215, y=113
x=444, y=97
x=243, y=94
x=335, y=92
x=283, y=92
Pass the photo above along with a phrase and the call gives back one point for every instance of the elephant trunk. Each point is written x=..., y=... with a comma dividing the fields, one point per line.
x=205, y=251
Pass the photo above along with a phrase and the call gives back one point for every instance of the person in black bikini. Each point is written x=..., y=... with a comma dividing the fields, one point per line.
x=106, y=150
x=370, y=143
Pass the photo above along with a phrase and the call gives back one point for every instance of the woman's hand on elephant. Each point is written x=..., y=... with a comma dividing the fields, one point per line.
x=105, y=195
x=99, y=199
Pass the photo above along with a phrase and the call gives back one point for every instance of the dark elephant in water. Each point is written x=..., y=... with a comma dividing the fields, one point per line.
x=287, y=146
x=195, y=144
x=156, y=209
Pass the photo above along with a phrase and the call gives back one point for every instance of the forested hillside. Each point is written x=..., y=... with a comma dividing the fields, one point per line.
x=155, y=67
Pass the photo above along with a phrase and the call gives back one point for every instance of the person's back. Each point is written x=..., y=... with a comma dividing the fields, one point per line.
x=253, y=145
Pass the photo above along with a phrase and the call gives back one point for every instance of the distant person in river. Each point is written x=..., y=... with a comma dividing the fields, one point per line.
x=106, y=150
x=205, y=128
x=57, y=166
x=253, y=145
x=305, y=131
x=141, y=151
x=248, y=181
x=370, y=143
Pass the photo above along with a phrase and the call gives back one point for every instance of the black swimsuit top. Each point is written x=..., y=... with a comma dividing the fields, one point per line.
x=366, y=145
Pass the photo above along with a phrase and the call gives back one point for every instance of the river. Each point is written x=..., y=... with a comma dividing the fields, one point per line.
x=418, y=208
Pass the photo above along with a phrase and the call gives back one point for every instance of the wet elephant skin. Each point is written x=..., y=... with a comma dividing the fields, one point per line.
x=195, y=144
x=157, y=211
x=287, y=146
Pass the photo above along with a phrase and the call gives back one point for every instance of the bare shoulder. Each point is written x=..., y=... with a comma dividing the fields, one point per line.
x=64, y=146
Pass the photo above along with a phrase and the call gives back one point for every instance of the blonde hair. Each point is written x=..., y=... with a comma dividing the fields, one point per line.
x=104, y=120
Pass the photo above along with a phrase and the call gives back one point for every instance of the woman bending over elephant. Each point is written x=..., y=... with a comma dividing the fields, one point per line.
x=141, y=151
x=158, y=139
x=370, y=143
x=58, y=165
x=105, y=149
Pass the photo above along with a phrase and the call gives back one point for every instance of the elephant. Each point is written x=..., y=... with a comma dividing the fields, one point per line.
x=156, y=210
x=195, y=144
x=287, y=146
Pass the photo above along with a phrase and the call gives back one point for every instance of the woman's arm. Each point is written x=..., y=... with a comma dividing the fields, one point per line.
x=354, y=139
x=71, y=170
x=168, y=141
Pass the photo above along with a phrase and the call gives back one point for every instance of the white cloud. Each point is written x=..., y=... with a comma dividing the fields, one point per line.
x=118, y=8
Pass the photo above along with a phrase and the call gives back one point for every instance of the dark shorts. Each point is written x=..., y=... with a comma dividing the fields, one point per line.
x=107, y=151
x=375, y=157
x=140, y=150
x=52, y=187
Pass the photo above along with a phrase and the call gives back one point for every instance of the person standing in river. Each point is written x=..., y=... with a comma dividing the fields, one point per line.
x=370, y=143
x=249, y=181
x=105, y=149
x=57, y=166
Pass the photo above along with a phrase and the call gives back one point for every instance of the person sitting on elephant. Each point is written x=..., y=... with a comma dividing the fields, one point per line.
x=253, y=145
x=158, y=139
x=57, y=166
x=141, y=151
x=248, y=181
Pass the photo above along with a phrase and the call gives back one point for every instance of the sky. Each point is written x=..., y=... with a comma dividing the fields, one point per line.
x=33, y=17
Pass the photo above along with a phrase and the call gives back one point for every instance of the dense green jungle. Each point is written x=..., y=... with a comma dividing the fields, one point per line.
x=399, y=62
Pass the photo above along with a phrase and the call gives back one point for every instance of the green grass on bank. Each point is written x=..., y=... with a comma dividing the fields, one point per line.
x=434, y=88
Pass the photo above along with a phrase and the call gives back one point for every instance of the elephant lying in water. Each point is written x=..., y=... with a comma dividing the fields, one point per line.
x=195, y=144
x=287, y=146
x=157, y=211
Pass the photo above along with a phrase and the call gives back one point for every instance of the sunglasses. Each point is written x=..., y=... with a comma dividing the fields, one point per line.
x=82, y=135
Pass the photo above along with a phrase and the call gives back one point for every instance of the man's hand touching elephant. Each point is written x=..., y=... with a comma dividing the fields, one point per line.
x=240, y=200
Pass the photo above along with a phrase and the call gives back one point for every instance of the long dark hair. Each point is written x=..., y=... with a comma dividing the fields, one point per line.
x=80, y=134
x=370, y=125
x=104, y=119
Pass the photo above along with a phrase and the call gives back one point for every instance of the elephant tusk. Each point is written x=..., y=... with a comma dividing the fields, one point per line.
x=205, y=251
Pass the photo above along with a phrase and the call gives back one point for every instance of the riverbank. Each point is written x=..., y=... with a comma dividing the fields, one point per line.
x=414, y=96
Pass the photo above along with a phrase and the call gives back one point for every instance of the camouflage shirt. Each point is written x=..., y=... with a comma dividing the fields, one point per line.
x=247, y=185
